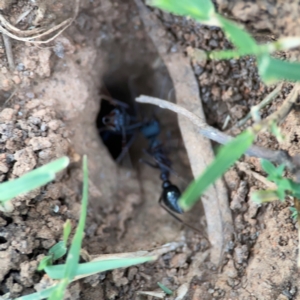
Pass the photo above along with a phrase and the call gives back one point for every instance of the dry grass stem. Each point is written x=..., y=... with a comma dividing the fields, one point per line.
x=8, y=51
x=11, y=31
x=277, y=157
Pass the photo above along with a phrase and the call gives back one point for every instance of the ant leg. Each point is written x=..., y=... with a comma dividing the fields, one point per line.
x=177, y=218
x=123, y=137
x=114, y=101
x=134, y=126
x=149, y=164
x=168, y=168
x=125, y=149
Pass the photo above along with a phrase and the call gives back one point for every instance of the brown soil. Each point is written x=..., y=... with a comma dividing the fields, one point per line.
x=50, y=103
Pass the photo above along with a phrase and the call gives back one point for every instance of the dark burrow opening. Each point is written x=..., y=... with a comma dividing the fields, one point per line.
x=120, y=117
x=116, y=103
x=119, y=90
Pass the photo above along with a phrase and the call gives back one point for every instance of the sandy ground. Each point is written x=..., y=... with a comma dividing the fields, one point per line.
x=50, y=103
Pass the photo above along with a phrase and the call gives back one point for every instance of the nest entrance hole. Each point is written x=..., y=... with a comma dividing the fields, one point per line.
x=124, y=85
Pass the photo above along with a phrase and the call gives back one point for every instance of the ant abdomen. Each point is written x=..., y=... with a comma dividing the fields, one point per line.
x=170, y=196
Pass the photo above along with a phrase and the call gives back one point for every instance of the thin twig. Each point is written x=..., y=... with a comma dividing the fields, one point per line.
x=8, y=51
x=16, y=30
x=227, y=119
x=64, y=25
x=277, y=157
x=245, y=168
x=297, y=206
x=10, y=97
x=261, y=105
x=23, y=15
x=286, y=107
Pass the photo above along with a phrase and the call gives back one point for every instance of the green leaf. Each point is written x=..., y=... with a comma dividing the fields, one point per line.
x=238, y=36
x=228, y=154
x=281, y=193
x=282, y=44
x=39, y=295
x=284, y=184
x=272, y=70
x=294, y=213
x=264, y=196
x=166, y=290
x=277, y=174
x=70, y=268
x=200, y=10
x=275, y=130
x=93, y=267
x=67, y=231
x=280, y=170
x=55, y=252
x=58, y=293
x=73, y=255
x=295, y=189
x=267, y=166
x=46, y=261
x=58, y=250
x=32, y=180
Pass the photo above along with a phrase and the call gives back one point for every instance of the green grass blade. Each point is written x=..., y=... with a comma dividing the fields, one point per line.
x=238, y=36
x=201, y=10
x=57, y=271
x=282, y=44
x=267, y=166
x=272, y=70
x=74, y=252
x=47, y=260
x=224, y=159
x=67, y=231
x=227, y=54
x=39, y=295
x=59, y=291
x=264, y=196
x=70, y=268
x=55, y=252
x=58, y=250
x=166, y=290
x=32, y=180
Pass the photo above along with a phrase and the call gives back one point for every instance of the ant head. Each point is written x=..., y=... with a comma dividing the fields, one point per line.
x=170, y=196
x=110, y=121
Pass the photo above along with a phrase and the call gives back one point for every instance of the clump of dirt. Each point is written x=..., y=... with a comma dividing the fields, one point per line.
x=31, y=136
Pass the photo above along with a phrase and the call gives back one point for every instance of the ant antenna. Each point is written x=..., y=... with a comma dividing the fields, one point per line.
x=160, y=201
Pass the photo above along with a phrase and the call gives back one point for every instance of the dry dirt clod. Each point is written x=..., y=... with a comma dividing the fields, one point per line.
x=118, y=278
x=238, y=198
x=25, y=161
x=39, y=143
x=230, y=269
x=7, y=114
x=241, y=253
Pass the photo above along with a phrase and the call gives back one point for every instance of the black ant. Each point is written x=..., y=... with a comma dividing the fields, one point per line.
x=122, y=123
x=171, y=194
